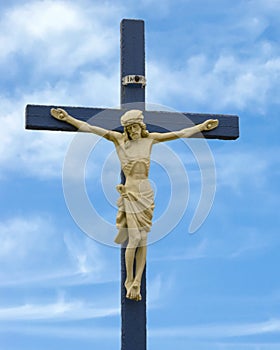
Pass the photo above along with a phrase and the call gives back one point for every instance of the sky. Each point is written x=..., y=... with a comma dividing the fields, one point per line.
x=214, y=289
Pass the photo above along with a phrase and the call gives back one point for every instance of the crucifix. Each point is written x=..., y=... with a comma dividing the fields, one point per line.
x=133, y=141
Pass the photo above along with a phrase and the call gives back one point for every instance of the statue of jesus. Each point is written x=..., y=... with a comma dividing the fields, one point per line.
x=136, y=202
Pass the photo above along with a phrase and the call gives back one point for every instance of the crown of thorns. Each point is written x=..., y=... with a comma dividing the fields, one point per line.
x=132, y=117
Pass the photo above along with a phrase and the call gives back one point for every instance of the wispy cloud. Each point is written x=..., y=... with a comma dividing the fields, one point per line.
x=245, y=242
x=63, y=76
x=245, y=167
x=83, y=69
x=197, y=251
x=44, y=26
x=57, y=331
x=36, y=154
x=252, y=345
x=219, y=330
x=159, y=288
x=78, y=73
x=230, y=67
x=40, y=154
x=59, y=311
x=221, y=84
x=203, y=332
x=45, y=254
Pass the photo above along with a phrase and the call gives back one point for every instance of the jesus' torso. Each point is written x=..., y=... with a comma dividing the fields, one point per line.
x=134, y=156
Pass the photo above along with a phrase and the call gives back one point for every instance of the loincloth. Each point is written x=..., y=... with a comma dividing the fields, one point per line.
x=139, y=206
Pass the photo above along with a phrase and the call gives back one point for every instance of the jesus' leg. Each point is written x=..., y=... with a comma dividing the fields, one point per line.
x=129, y=262
x=134, y=239
x=141, y=254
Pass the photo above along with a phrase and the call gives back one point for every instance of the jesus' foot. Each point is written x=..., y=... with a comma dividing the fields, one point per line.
x=127, y=285
x=134, y=291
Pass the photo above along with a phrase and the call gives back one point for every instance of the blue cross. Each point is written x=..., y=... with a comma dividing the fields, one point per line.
x=38, y=117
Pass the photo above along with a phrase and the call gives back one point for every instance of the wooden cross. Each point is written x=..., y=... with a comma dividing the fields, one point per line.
x=133, y=81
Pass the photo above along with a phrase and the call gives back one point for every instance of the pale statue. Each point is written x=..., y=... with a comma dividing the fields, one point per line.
x=136, y=202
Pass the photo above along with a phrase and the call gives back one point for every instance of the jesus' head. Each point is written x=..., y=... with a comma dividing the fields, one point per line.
x=134, y=127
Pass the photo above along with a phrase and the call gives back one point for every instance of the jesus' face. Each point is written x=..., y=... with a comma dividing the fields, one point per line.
x=134, y=131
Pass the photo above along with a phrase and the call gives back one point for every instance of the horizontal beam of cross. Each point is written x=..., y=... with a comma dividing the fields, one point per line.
x=38, y=117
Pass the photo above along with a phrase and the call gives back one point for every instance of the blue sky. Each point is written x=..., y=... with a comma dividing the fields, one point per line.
x=215, y=289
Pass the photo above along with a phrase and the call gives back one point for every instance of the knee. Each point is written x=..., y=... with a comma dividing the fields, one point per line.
x=143, y=240
x=134, y=240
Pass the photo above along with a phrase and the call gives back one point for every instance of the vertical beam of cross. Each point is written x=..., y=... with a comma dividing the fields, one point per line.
x=134, y=334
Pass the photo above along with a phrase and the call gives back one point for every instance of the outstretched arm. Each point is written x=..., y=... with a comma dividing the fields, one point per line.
x=62, y=115
x=184, y=133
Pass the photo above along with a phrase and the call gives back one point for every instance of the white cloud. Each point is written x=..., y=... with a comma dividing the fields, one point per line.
x=69, y=332
x=196, y=251
x=266, y=7
x=227, y=82
x=246, y=167
x=235, y=65
x=243, y=243
x=60, y=310
x=219, y=330
x=65, y=312
x=85, y=253
x=44, y=254
x=34, y=153
x=159, y=289
x=23, y=236
x=38, y=153
x=41, y=32
x=162, y=11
